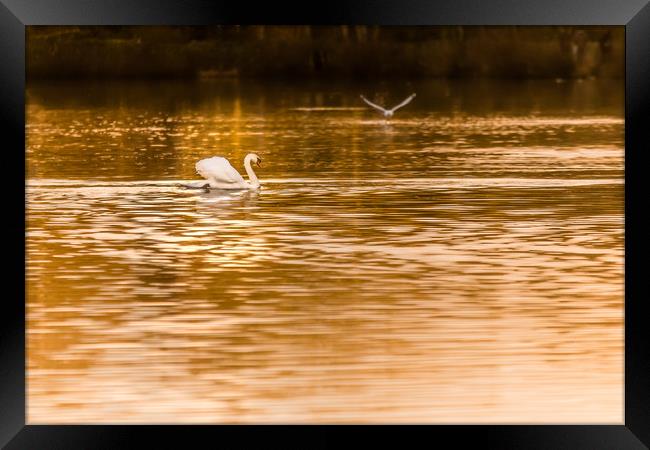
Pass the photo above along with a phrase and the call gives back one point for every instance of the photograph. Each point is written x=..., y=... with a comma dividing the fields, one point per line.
x=324, y=224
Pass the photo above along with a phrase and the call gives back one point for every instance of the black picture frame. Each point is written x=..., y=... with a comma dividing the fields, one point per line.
x=634, y=15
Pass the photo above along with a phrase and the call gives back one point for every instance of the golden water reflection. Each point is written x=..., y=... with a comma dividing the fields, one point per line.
x=450, y=267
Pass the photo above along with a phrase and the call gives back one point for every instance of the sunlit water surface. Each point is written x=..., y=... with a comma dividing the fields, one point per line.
x=461, y=264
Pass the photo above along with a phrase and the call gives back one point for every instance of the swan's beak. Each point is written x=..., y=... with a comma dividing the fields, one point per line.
x=259, y=161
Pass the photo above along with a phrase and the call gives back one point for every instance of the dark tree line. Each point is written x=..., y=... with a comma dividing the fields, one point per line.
x=319, y=51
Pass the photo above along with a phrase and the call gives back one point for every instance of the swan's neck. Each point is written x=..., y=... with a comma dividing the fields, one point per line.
x=254, y=182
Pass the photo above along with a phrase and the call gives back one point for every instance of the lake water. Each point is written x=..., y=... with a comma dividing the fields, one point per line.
x=460, y=264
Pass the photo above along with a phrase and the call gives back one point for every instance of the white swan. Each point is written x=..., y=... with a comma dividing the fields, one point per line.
x=388, y=113
x=221, y=175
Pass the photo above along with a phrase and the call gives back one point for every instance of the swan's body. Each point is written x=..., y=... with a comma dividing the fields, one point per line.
x=221, y=175
x=388, y=113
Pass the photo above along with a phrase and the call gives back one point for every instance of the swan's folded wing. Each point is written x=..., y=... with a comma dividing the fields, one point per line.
x=218, y=169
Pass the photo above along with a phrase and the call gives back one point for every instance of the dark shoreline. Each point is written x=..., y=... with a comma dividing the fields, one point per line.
x=336, y=52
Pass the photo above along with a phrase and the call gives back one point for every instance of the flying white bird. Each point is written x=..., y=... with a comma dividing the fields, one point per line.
x=388, y=113
x=221, y=175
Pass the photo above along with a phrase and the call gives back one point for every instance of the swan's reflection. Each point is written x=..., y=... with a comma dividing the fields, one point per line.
x=243, y=197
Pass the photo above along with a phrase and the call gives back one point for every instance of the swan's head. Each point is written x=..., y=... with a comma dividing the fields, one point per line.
x=254, y=158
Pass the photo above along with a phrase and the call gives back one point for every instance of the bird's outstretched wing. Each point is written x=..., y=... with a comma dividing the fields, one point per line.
x=372, y=104
x=218, y=169
x=404, y=103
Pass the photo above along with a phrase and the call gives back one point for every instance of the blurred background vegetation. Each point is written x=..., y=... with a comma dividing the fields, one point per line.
x=324, y=51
